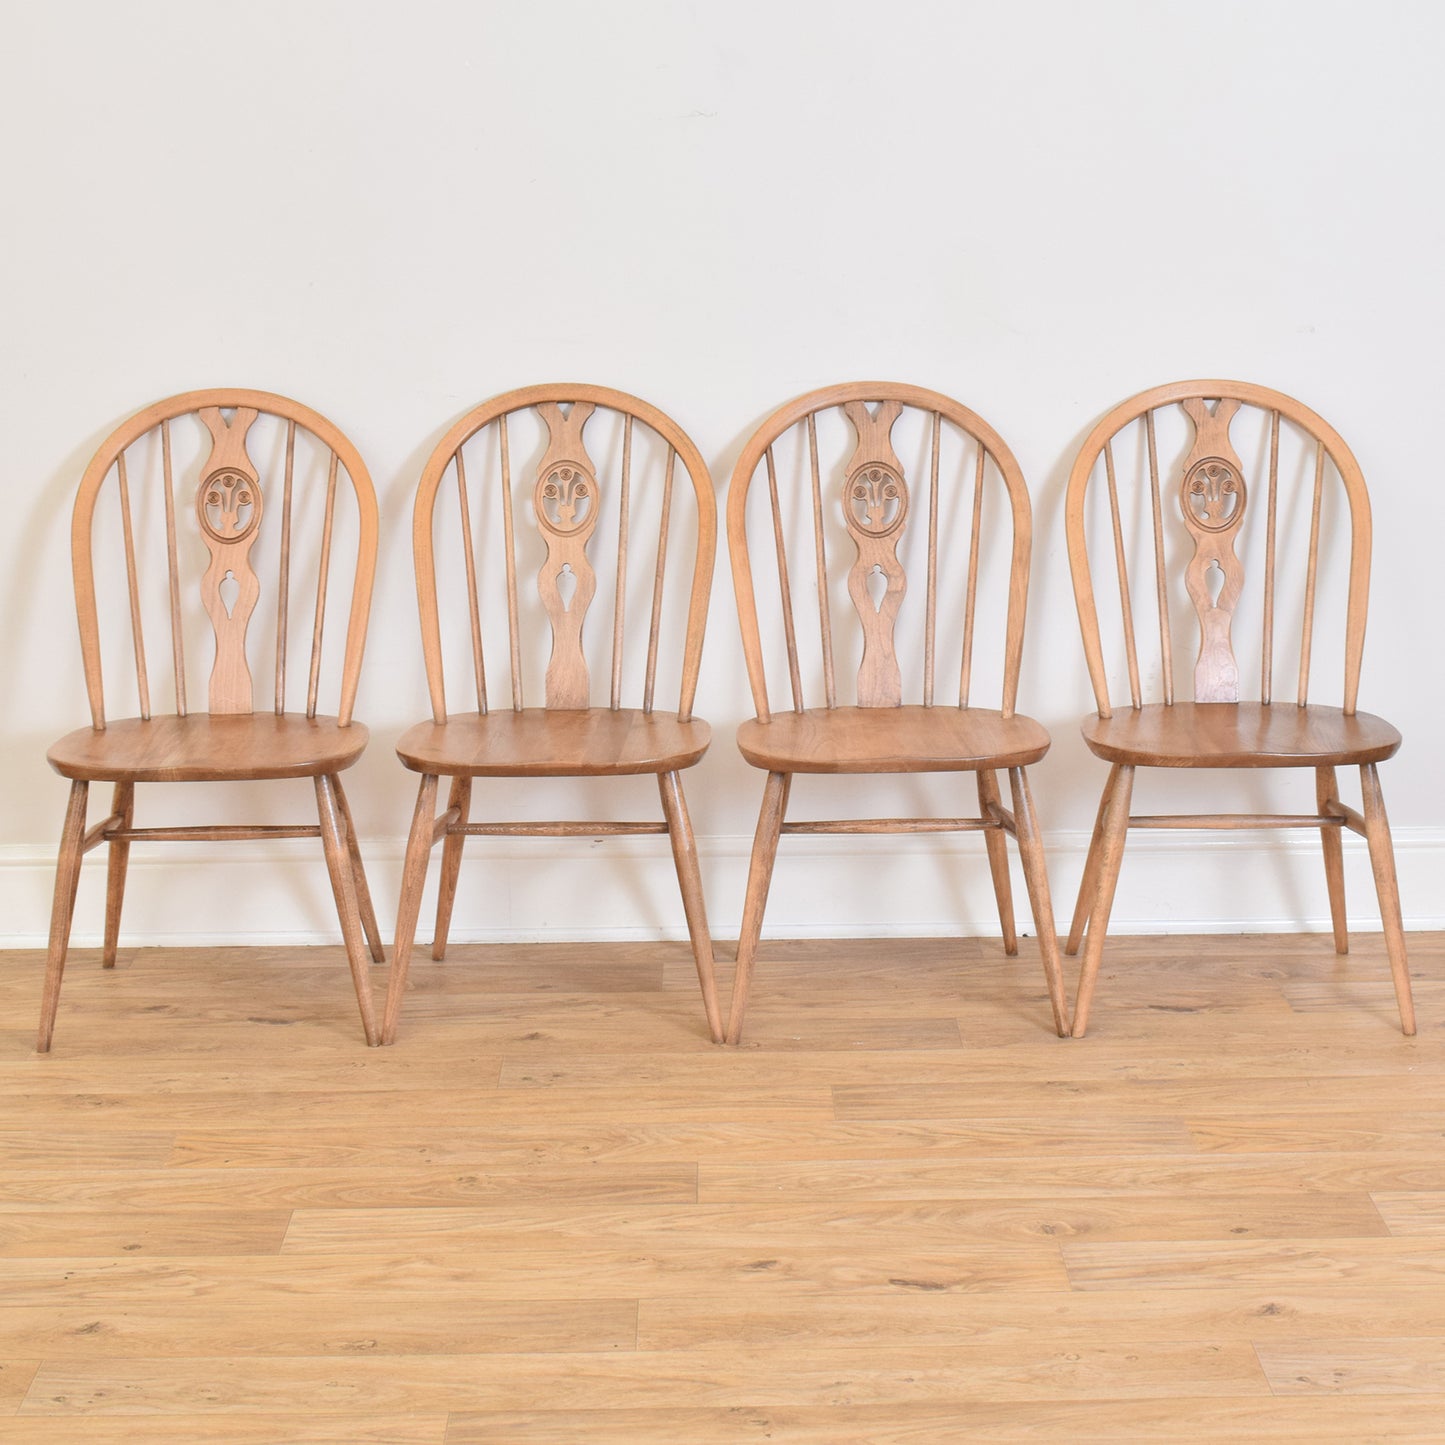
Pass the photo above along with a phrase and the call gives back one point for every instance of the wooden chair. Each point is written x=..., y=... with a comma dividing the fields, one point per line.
x=867, y=498
x=189, y=491
x=1218, y=515
x=631, y=501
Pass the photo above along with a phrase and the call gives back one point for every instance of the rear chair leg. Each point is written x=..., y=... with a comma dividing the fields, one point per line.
x=67, y=876
x=689, y=878
x=1111, y=853
x=461, y=800
x=760, y=876
x=1327, y=792
x=358, y=876
x=1089, y=883
x=413, y=879
x=1031, y=852
x=343, y=886
x=1382, y=860
x=122, y=807
x=998, y=863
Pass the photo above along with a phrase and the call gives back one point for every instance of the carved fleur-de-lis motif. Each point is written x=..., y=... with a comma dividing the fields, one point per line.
x=228, y=506
x=875, y=505
x=1213, y=493
x=565, y=501
x=1212, y=497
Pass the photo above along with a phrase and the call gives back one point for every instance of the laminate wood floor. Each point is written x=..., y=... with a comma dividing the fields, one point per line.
x=902, y=1212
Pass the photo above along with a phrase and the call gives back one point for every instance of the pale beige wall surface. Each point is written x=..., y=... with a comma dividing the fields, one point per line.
x=392, y=212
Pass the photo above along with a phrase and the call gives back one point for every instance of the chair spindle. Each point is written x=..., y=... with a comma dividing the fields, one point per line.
x=825, y=620
x=1166, y=643
x=1266, y=678
x=474, y=610
x=794, y=676
x=514, y=640
x=1130, y=650
x=283, y=595
x=1309, y=618
x=322, y=575
x=975, y=532
x=137, y=632
x=931, y=609
x=654, y=628
x=178, y=647
x=621, y=596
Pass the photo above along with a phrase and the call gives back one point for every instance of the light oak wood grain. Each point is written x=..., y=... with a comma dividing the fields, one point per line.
x=223, y=500
x=1216, y=503
x=877, y=505
x=567, y=737
x=1360, y=1367
x=225, y=1429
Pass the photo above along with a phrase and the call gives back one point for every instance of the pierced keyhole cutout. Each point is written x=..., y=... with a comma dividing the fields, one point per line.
x=1214, y=582
x=566, y=586
x=230, y=591
x=877, y=584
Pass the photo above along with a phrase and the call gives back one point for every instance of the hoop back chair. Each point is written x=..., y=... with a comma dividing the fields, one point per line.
x=1202, y=521
x=856, y=494
x=239, y=483
x=574, y=519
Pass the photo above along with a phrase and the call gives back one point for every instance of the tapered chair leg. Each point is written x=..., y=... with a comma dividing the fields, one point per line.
x=689, y=877
x=1327, y=792
x=343, y=886
x=760, y=876
x=460, y=799
x=413, y=879
x=1382, y=861
x=358, y=877
x=1089, y=883
x=1031, y=853
x=67, y=877
x=123, y=808
x=1111, y=853
x=998, y=863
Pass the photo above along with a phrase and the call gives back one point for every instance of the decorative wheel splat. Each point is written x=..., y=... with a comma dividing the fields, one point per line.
x=565, y=501
x=228, y=507
x=1212, y=497
x=875, y=507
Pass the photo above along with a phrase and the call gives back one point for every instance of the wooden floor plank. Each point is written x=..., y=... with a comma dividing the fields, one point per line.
x=1412, y=1213
x=222, y=1429
x=47, y=1232
x=1192, y=1421
x=1038, y=1370
x=1356, y=1367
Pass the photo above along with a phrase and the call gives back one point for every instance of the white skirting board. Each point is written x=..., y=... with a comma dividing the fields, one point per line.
x=525, y=890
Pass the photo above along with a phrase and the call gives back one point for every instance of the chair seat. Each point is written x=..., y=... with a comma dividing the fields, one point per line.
x=892, y=740
x=554, y=743
x=203, y=748
x=1240, y=735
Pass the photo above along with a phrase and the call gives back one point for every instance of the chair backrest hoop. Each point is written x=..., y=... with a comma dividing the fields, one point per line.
x=565, y=544
x=1231, y=393
x=873, y=448
x=215, y=400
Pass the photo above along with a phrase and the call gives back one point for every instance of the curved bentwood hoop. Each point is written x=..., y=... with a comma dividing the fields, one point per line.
x=1227, y=527
x=848, y=491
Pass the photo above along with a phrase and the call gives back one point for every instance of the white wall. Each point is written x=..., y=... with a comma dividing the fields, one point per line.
x=394, y=211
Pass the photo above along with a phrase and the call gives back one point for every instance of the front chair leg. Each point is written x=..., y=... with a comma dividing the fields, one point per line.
x=1111, y=853
x=358, y=876
x=67, y=877
x=689, y=878
x=1382, y=861
x=343, y=886
x=413, y=879
x=1031, y=853
x=1089, y=883
x=998, y=863
x=460, y=800
x=122, y=808
x=1327, y=792
x=760, y=876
